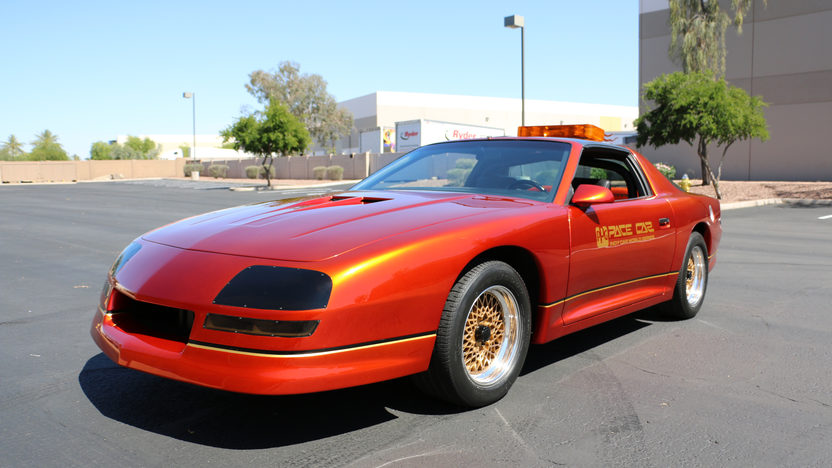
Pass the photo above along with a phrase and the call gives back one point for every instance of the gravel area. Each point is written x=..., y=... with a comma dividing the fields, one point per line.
x=733, y=191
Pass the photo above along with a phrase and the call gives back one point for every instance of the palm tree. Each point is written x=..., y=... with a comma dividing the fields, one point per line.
x=45, y=138
x=13, y=146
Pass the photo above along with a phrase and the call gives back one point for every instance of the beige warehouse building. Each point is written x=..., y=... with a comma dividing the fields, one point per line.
x=783, y=55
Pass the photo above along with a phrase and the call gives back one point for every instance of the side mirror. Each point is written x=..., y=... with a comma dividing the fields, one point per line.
x=587, y=195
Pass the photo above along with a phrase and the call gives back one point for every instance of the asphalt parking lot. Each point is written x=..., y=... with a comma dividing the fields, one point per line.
x=745, y=383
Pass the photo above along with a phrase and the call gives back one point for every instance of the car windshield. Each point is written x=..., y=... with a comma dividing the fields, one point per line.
x=517, y=168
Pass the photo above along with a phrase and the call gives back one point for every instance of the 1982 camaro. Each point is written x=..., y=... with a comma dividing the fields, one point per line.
x=445, y=264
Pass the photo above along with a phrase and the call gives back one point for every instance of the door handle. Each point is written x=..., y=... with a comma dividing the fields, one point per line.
x=664, y=222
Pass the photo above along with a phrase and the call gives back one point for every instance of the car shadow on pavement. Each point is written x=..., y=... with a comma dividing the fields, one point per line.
x=239, y=421
x=576, y=343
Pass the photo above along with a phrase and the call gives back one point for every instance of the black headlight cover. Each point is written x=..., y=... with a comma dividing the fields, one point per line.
x=250, y=326
x=276, y=288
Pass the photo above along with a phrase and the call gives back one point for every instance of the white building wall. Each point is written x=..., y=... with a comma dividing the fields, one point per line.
x=385, y=108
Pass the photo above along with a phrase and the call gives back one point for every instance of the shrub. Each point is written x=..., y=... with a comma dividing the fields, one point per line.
x=335, y=173
x=189, y=168
x=668, y=170
x=252, y=171
x=257, y=172
x=218, y=171
x=319, y=172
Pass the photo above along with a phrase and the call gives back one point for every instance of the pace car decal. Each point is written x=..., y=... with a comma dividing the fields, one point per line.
x=618, y=234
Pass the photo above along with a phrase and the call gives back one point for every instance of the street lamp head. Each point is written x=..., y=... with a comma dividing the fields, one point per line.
x=187, y=95
x=514, y=21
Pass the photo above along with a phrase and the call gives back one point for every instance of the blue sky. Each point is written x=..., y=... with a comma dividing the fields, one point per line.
x=90, y=71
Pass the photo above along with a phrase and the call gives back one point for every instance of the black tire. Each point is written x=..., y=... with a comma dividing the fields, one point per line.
x=692, y=281
x=483, y=337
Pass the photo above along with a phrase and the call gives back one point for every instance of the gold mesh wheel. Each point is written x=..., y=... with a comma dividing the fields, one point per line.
x=489, y=339
x=695, y=276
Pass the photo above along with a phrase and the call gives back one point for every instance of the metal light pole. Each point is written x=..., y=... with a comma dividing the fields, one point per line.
x=514, y=22
x=189, y=95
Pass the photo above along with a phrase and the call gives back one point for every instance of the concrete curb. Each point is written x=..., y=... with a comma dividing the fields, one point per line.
x=775, y=201
x=807, y=201
x=750, y=203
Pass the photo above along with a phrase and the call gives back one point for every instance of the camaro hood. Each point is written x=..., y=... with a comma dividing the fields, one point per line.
x=325, y=227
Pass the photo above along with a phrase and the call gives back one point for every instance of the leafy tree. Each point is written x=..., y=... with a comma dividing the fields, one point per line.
x=13, y=147
x=147, y=148
x=186, y=151
x=125, y=152
x=268, y=132
x=697, y=32
x=306, y=98
x=697, y=37
x=133, y=148
x=696, y=109
x=101, y=150
x=46, y=148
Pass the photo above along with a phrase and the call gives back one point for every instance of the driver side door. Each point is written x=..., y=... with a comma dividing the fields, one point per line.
x=620, y=251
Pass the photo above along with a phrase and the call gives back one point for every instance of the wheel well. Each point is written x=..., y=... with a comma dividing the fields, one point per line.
x=702, y=229
x=518, y=258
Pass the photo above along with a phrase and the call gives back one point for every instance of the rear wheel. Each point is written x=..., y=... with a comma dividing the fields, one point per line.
x=692, y=282
x=482, y=339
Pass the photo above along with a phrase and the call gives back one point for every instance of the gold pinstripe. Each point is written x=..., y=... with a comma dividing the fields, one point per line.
x=608, y=287
x=313, y=354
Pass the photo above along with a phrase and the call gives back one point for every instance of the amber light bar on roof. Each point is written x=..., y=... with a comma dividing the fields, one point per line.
x=583, y=131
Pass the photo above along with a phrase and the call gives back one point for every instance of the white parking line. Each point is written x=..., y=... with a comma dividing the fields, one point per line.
x=825, y=217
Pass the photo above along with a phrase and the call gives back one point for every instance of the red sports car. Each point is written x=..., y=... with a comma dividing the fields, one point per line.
x=444, y=265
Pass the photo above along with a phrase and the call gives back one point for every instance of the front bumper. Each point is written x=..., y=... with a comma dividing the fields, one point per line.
x=263, y=372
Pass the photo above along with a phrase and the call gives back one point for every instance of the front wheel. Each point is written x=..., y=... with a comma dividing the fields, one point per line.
x=482, y=339
x=689, y=292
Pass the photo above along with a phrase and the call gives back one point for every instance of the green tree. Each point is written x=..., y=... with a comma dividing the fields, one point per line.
x=697, y=37
x=186, y=151
x=133, y=148
x=101, y=150
x=45, y=138
x=147, y=148
x=268, y=132
x=46, y=148
x=125, y=152
x=697, y=33
x=13, y=147
x=696, y=109
x=306, y=98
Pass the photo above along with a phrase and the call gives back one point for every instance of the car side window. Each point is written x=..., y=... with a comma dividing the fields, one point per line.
x=615, y=173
